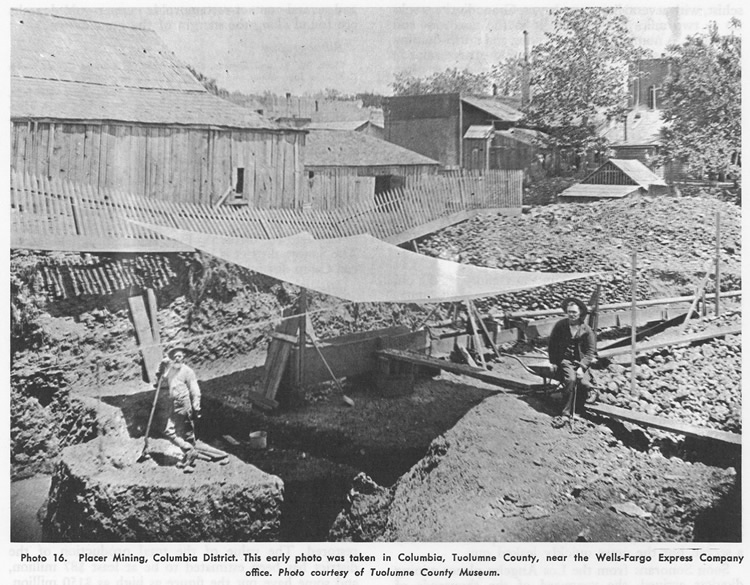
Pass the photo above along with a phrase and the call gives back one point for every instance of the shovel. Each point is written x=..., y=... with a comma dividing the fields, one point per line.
x=145, y=455
x=348, y=401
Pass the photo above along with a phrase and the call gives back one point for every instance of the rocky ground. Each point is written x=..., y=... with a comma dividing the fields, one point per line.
x=465, y=428
x=503, y=473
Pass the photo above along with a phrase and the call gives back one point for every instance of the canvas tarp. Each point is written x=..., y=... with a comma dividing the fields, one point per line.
x=363, y=268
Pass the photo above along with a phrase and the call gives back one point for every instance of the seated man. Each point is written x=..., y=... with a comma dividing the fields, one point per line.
x=572, y=350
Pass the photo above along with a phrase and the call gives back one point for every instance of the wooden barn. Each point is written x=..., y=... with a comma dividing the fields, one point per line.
x=110, y=106
x=615, y=179
x=450, y=128
x=348, y=168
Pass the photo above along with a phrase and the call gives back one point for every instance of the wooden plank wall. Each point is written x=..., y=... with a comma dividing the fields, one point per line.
x=331, y=189
x=62, y=215
x=175, y=164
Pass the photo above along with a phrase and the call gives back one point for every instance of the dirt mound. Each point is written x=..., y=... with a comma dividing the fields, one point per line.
x=101, y=492
x=503, y=473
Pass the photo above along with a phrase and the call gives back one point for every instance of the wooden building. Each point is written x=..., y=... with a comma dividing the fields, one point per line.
x=615, y=179
x=451, y=128
x=346, y=167
x=110, y=106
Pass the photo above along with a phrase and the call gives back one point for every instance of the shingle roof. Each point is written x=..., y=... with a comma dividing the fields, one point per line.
x=495, y=107
x=44, y=46
x=35, y=98
x=342, y=148
x=65, y=68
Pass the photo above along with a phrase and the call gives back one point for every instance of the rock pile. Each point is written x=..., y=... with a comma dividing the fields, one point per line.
x=698, y=384
x=674, y=238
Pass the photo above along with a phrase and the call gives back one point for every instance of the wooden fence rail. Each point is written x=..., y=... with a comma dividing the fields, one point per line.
x=55, y=214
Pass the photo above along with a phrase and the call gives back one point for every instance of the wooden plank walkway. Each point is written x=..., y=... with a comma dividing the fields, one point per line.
x=599, y=409
x=681, y=340
x=61, y=215
x=665, y=424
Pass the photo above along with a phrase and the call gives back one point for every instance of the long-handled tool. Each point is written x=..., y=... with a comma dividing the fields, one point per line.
x=348, y=401
x=145, y=454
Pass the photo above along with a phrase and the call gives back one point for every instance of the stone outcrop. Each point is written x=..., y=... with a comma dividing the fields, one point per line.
x=102, y=492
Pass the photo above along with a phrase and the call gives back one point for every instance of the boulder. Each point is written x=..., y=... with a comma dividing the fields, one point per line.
x=102, y=492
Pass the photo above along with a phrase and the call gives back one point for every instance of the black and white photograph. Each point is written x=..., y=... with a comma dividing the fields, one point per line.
x=340, y=294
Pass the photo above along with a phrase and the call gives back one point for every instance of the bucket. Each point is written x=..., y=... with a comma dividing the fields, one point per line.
x=257, y=439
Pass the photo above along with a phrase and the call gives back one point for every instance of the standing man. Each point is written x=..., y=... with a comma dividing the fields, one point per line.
x=572, y=350
x=185, y=405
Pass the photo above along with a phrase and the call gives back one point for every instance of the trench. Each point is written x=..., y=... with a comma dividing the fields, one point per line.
x=316, y=466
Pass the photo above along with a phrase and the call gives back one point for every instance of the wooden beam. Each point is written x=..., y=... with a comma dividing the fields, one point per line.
x=616, y=306
x=478, y=373
x=674, y=341
x=261, y=401
x=665, y=424
x=428, y=228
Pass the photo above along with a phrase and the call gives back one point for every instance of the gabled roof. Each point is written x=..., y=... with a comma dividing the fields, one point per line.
x=637, y=171
x=342, y=148
x=479, y=132
x=82, y=70
x=494, y=107
x=634, y=170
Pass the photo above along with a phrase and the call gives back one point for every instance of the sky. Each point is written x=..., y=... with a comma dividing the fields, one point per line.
x=353, y=49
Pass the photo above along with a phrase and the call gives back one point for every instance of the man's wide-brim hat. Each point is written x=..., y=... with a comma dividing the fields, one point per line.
x=580, y=304
x=176, y=348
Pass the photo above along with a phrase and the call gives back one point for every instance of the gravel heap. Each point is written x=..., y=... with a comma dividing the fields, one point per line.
x=674, y=237
x=698, y=384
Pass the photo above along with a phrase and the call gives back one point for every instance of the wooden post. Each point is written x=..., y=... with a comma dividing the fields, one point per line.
x=484, y=330
x=302, y=336
x=633, y=316
x=477, y=341
x=718, y=264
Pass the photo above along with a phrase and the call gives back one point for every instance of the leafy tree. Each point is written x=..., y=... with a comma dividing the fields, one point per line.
x=449, y=81
x=702, y=102
x=507, y=75
x=208, y=83
x=580, y=74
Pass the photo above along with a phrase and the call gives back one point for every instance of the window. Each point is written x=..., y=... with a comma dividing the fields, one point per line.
x=239, y=182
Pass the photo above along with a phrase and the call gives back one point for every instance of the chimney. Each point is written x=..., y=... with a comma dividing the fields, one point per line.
x=525, y=90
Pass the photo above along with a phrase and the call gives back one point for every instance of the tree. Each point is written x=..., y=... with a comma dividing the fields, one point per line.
x=701, y=106
x=580, y=74
x=449, y=81
x=507, y=75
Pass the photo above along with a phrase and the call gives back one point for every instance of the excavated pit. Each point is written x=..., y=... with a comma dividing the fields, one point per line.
x=322, y=450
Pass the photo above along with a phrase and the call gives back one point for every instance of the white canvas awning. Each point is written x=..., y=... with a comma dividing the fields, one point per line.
x=363, y=268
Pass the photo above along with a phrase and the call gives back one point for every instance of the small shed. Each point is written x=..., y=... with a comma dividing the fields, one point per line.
x=615, y=179
x=341, y=163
